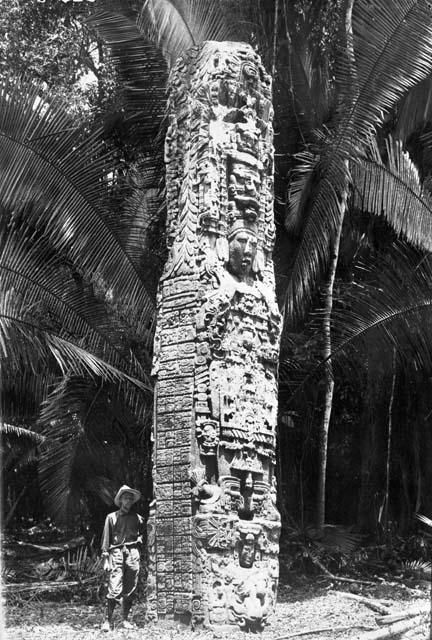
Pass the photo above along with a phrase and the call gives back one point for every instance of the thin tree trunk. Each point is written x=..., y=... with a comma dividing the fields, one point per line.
x=12, y=510
x=367, y=514
x=417, y=459
x=418, y=478
x=328, y=376
x=389, y=440
x=328, y=305
x=275, y=29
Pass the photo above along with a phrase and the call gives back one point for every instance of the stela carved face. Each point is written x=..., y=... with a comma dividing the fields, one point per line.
x=247, y=553
x=242, y=252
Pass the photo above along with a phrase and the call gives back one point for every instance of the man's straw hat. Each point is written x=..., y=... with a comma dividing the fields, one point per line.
x=125, y=489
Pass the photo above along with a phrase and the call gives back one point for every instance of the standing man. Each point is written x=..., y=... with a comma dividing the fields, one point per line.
x=121, y=542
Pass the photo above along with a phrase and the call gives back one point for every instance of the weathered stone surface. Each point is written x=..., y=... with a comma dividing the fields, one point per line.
x=214, y=527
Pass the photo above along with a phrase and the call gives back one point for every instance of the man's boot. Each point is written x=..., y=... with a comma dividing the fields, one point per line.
x=126, y=605
x=108, y=623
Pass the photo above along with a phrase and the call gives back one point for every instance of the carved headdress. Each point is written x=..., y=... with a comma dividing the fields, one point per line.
x=222, y=123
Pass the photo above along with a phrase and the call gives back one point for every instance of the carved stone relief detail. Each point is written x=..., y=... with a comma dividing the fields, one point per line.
x=216, y=525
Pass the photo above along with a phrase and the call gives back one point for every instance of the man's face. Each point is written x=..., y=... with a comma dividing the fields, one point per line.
x=242, y=251
x=126, y=501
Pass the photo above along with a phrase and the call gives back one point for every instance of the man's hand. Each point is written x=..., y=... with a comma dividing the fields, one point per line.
x=106, y=564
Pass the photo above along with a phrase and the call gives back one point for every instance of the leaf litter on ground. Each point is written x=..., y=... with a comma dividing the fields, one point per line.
x=308, y=609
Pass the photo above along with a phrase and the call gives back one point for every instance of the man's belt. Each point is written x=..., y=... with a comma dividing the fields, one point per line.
x=124, y=545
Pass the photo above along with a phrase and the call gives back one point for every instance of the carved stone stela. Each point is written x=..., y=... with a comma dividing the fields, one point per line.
x=214, y=527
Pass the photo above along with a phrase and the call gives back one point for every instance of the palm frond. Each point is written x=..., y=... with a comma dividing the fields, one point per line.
x=381, y=32
x=300, y=190
x=80, y=422
x=23, y=389
x=140, y=66
x=24, y=341
x=56, y=467
x=143, y=75
x=50, y=321
x=424, y=519
x=394, y=192
x=79, y=563
x=321, y=217
x=387, y=307
x=64, y=460
x=393, y=303
x=172, y=26
x=145, y=217
x=381, y=77
x=20, y=432
x=419, y=567
x=334, y=538
x=414, y=111
x=44, y=284
x=302, y=90
x=96, y=402
x=19, y=444
x=103, y=487
x=23, y=458
x=341, y=538
x=178, y=25
x=55, y=181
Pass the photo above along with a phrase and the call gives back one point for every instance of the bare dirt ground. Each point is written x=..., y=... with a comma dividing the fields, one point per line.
x=307, y=605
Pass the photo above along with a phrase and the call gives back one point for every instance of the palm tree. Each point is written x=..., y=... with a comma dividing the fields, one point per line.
x=371, y=76
x=75, y=315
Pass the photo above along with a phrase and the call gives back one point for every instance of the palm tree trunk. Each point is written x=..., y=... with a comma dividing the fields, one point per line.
x=417, y=464
x=389, y=440
x=328, y=305
x=275, y=29
x=328, y=377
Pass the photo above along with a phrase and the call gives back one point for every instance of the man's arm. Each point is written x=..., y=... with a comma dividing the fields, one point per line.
x=106, y=536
